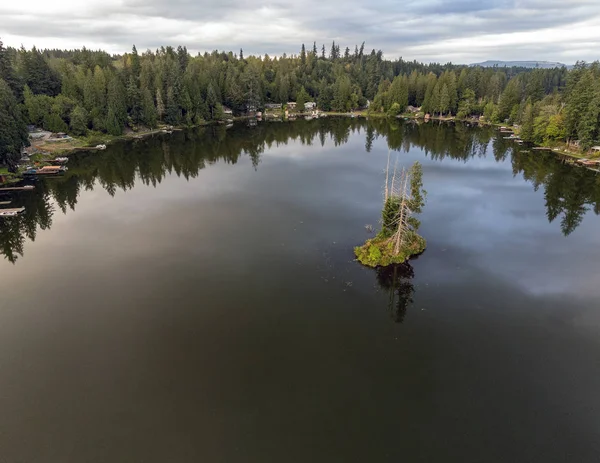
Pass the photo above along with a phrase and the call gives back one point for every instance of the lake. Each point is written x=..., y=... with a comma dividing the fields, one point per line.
x=194, y=298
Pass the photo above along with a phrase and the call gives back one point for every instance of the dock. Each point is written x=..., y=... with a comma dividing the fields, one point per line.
x=18, y=188
x=11, y=212
x=5, y=203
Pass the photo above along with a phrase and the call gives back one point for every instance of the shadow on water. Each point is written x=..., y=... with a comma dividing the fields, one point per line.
x=569, y=192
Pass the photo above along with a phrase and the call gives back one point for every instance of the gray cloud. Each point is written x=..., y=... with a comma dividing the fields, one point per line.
x=460, y=30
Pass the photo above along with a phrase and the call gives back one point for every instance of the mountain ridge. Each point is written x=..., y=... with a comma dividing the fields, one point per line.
x=525, y=64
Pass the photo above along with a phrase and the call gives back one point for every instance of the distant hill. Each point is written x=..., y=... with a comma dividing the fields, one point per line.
x=524, y=64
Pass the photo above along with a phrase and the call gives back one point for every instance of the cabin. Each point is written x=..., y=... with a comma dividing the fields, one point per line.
x=273, y=106
x=227, y=111
x=310, y=105
x=595, y=149
x=412, y=109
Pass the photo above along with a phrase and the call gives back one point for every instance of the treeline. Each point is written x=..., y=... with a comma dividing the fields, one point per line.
x=78, y=91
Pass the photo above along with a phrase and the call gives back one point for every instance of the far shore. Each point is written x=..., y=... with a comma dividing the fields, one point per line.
x=46, y=152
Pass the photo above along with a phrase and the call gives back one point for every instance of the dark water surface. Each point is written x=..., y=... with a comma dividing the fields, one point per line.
x=193, y=298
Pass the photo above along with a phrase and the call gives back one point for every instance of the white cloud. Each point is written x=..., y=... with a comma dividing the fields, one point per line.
x=429, y=30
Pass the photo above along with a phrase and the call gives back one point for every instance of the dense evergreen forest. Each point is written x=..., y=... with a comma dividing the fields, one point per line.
x=79, y=91
x=569, y=192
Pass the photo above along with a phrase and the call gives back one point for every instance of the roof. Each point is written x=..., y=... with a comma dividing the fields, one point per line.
x=596, y=148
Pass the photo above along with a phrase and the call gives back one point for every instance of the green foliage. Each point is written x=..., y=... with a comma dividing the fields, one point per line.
x=418, y=194
x=37, y=73
x=467, y=105
x=381, y=250
x=79, y=120
x=13, y=132
x=389, y=216
x=490, y=112
x=113, y=125
x=148, y=114
x=170, y=85
x=527, y=124
x=54, y=123
x=301, y=99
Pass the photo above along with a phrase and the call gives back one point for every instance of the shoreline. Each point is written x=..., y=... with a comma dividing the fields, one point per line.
x=90, y=141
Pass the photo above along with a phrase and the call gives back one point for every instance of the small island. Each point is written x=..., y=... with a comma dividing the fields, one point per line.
x=398, y=240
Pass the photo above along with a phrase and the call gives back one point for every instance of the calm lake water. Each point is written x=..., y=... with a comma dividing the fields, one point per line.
x=193, y=298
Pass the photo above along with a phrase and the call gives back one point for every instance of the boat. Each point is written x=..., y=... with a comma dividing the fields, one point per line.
x=589, y=162
x=46, y=171
x=100, y=147
x=59, y=160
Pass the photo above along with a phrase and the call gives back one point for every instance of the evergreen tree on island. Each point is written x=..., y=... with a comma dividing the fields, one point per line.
x=398, y=239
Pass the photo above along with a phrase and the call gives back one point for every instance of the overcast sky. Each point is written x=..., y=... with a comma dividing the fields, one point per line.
x=462, y=31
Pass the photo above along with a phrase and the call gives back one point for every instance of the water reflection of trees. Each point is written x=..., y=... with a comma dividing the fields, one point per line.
x=396, y=281
x=569, y=192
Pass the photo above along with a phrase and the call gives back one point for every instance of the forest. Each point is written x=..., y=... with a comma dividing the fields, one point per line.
x=85, y=91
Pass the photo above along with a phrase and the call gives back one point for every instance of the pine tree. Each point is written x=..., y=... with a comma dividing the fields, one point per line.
x=135, y=64
x=303, y=55
x=301, y=99
x=38, y=75
x=8, y=73
x=79, y=121
x=444, y=105
x=13, y=131
x=134, y=101
x=173, y=112
x=117, y=101
x=212, y=102
x=527, y=122
x=160, y=105
x=149, y=114
x=113, y=125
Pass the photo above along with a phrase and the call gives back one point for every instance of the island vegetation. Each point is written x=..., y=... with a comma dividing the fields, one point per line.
x=398, y=240
x=87, y=93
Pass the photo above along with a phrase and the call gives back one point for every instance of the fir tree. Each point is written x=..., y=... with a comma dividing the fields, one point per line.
x=13, y=131
x=79, y=121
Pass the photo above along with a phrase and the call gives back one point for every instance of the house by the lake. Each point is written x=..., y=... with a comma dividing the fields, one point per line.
x=310, y=105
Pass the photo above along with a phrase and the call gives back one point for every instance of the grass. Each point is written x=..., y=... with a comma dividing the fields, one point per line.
x=379, y=251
